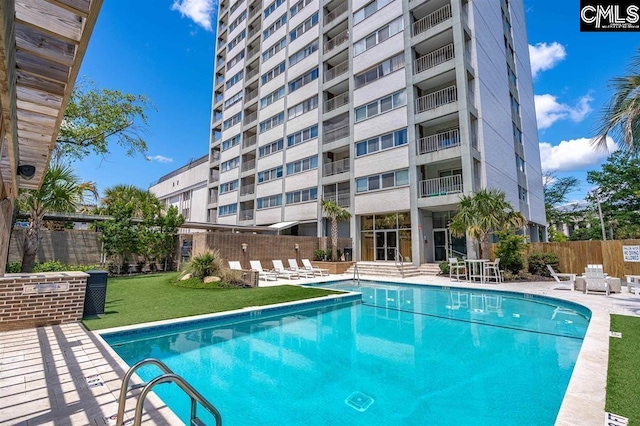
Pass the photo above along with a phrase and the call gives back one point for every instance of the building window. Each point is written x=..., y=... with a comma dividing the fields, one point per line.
x=515, y=106
x=273, y=6
x=271, y=174
x=302, y=196
x=235, y=60
x=272, y=97
x=303, y=53
x=273, y=72
x=269, y=202
x=302, y=165
x=369, y=9
x=229, y=186
x=231, y=142
x=278, y=46
x=228, y=210
x=304, y=106
x=380, y=70
x=272, y=122
x=299, y=6
x=373, y=39
x=230, y=164
x=381, y=143
x=309, y=23
x=517, y=134
x=232, y=100
x=512, y=76
x=233, y=43
x=520, y=163
x=522, y=194
x=302, y=136
x=230, y=122
x=382, y=181
x=237, y=21
x=381, y=106
x=270, y=148
x=306, y=78
x=274, y=27
x=233, y=80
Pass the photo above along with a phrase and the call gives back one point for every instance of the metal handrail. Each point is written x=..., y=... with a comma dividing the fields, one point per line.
x=356, y=273
x=457, y=254
x=399, y=259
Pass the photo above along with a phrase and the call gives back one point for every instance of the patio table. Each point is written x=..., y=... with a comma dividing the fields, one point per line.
x=475, y=269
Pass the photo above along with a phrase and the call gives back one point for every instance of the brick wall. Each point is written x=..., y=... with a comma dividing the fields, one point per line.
x=32, y=301
x=69, y=247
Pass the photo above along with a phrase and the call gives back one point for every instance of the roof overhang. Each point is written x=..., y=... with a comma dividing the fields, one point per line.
x=42, y=43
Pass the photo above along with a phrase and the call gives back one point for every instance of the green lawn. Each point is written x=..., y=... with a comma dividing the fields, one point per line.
x=135, y=300
x=623, y=389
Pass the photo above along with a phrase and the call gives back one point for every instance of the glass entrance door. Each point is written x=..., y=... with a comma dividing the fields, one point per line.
x=440, y=244
x=386, y=244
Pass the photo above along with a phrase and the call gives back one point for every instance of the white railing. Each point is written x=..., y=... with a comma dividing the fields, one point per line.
x=214, y=175
x=334, y=72
x=252, y=52
x=250, y=141
x=343, y=199
x=251, y=117
x=251, y=74
x=439, y=141
x=433, y=59
x=248, y=165
x=335, y=134
x=248, y=189
x=336, y=102
x=336, y=12
x=336, y=41
x=441, y=186
x=336, y=167
x=432, y=19
x=251, y=95
x=246, y=215
x=436, y=99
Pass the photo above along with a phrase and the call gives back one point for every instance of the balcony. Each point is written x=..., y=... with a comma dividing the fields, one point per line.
x=336, y=134
x=336, y=102
x=214, y=175
x=245, y=215
x=433, y=59
x=331, y=16
x=336, y=167
x=343, y=199
x=249, y=141
x=439, y=141
x=248, y=165
x=441, y=186
x=251, y=95
x=436, y=99
x=250, y=118
x=252, y=73
x=253, y=31
x=252, y=52
x=336, y=71
x=336, y=41
x=432, y=19
x=248, y=189
x=253, y=12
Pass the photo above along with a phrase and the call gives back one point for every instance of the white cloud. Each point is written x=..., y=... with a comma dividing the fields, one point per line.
x=160, y=159
x=200, y=11
x=545, y=56
x=574, y=154
x=549, y=110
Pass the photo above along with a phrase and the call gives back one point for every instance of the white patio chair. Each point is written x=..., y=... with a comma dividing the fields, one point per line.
x=293, y=266
x=455, y=267
x=595, y=280
x=280, y=271
x=267, y=275
x=492, y=271
x=306, y=263
x=556, y=276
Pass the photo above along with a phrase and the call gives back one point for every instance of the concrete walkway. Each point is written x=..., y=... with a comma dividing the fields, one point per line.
x=65, y=375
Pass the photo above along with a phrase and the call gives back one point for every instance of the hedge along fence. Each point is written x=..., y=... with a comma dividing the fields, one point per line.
x=574, y=256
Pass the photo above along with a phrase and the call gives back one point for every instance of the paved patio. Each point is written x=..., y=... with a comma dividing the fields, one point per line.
x=65, y=375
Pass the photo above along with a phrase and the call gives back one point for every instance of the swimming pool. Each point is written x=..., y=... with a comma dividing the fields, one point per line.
x=406, y=355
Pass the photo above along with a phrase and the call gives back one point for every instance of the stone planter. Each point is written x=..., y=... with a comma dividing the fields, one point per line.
x=333, y=267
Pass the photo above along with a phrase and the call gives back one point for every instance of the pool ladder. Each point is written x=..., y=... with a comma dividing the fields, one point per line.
x=356, y=273
x=168, y=376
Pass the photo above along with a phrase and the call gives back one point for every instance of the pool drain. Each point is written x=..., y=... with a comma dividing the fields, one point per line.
x=359, y=401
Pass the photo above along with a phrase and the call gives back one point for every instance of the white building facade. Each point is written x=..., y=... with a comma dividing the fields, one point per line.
x=391, y=108
x=186, y=189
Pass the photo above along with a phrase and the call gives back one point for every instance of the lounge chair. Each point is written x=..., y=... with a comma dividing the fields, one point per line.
x=293, y=266
x=234, y=265
x=280, y=271
x=595, y=280
x=455, y=268
x=267, y=275
x=309, y=267
x=557, y=276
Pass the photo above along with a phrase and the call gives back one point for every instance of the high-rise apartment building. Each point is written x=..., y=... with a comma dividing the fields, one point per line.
x=392, y=109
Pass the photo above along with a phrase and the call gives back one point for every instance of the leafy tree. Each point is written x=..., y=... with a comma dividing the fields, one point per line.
x=482, y=213
x=119, y=235
x=510, y=249
x=556, y=191
x=94, y=117
x=586, y=234
x=621, y=116
x=337, y=214
x=61, y=192
x=618, y=187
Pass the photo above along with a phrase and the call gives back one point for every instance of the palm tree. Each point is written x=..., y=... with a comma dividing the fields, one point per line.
x=337, y=214
x=621, y=116
x=61, y=192
x=482, y=213
x=142, y=203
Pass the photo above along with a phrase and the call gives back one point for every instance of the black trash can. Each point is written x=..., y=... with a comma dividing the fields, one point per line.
x=96, y=294
x=348, y=254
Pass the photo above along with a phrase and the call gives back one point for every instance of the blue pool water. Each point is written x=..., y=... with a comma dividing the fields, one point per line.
x=406, y=355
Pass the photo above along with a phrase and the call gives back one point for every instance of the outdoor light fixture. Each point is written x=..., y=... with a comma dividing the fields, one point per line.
x=244, y=246
x=296, y=247
x=26, y=171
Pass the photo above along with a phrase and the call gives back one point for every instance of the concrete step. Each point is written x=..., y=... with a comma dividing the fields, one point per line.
x=392, y=270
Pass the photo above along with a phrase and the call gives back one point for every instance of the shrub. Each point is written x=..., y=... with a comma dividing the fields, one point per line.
x=207, y=264
x=510, y=249
x=233, y=279
x=538, y=263
x=13, y=267
x=318, y=255
x=444, y=267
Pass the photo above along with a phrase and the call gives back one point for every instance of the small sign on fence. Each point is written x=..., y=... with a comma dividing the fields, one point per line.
x=631, y=253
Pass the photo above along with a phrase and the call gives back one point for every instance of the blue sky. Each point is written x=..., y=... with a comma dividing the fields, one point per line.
x=164, y=50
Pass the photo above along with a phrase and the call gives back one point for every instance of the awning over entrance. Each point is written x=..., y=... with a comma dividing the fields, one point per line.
x=281, y=226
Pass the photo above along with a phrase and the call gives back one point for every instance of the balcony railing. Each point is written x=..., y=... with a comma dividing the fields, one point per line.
x=436, y=99
x=251, y=95
x=251, y=52
x=248, y=165
x=215, y=156
x=250, y=74
x=433, y=59
x=343, y=199
x=219, y=80
x=336, y=167
x=336, y=41
x=220, y=63
x=336, y=102
x=441, y=186
x=336, y=12
x=248, y=189
x=246, y=215
x=334, y=72
x=432, y=19
x=213, y=198
x=439, y=141
x=250, y=118
x=253, y=31
x=253, y=12
x=250, y=141
x=336, y=134
x=214, y=175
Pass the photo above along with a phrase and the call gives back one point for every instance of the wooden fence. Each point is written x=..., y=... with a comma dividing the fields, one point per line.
x=576, y=255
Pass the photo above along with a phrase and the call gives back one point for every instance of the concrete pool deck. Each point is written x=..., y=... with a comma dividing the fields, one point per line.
x=66, y=375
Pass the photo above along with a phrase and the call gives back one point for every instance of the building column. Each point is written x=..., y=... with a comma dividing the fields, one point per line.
x=6, y=216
